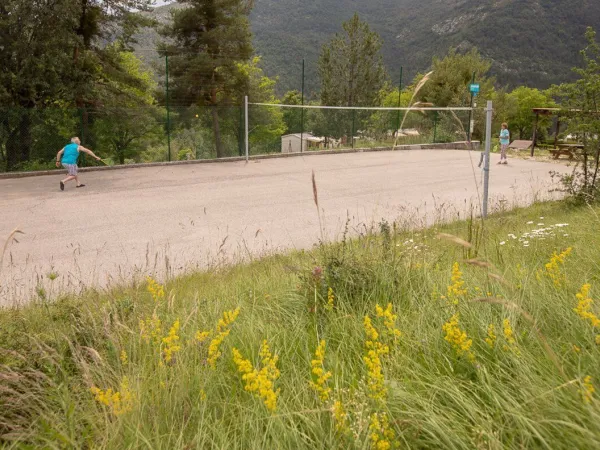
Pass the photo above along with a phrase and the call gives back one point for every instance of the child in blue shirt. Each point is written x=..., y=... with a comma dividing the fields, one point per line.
x=504, y=142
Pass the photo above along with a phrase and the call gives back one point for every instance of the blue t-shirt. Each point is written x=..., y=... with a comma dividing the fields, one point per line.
x=70, y=154
x=505, y=137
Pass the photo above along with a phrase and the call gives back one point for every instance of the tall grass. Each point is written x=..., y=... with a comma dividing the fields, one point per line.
x=530, y=389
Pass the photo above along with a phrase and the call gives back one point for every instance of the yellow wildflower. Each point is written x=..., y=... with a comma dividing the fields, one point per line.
x=123, y=357
x=202, y=336
x=202, y=395
x=157, y=291
x=458, y=338
x=491, y=335
x=260, y=382
x=380, y=433
x=389, y=319
x=553, y=268
x=119, y=402
x=456, y=290
x=576, y=349
x=321, y=377
x=221, y=332
x=340, y=417
x=585, y=305
x=509, y=337
x=598, y=340
x=587, y=390
x=330, y=300
x=151, y=329
x=372, y=359
x=171, y=343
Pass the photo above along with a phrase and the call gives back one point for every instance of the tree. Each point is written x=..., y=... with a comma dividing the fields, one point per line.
x=448, y=85
x=292, y=116
x=580, y=108
x=352, y=73
x=54, y=53
x=128, y=116
x=520, y=114
x=33, y=36
x=351, y=66
x=206, y=41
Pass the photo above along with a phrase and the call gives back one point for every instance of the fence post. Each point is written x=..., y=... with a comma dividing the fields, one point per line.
x=302, y=113
x=168, y=109
x=246, y=125
x=435, y=121
x=486, y=167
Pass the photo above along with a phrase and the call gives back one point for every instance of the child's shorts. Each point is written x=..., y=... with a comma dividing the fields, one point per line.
x=71, y=169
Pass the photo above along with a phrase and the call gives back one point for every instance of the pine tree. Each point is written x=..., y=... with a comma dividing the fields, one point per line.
x=206, y=41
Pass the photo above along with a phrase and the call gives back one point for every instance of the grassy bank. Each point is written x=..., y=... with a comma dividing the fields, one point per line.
x=465, y=346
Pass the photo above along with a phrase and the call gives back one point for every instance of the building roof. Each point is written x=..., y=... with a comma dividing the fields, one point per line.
x=305, y=136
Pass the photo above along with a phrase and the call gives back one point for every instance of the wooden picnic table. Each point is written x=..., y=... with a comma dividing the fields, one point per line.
x=569, y=150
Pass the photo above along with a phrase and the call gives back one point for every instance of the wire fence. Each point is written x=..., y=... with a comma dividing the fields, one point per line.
x=30, y=138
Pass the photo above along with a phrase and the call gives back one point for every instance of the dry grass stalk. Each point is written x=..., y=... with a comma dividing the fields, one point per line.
x=9, y=240
x=454, y=239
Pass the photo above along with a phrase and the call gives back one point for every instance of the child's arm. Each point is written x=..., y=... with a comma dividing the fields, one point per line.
x=59, y=156
x=89, y=152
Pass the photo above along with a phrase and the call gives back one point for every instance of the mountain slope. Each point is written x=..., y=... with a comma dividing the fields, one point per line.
x=533, y=42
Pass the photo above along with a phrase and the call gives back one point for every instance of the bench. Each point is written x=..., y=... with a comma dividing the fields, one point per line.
x=569, y=150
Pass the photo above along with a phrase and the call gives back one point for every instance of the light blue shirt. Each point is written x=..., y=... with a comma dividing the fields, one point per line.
x=70, y=154
x=505, y=137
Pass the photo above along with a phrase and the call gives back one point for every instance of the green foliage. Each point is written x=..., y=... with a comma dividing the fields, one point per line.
x=519, y=114
x=519, y=393
x=581, y=110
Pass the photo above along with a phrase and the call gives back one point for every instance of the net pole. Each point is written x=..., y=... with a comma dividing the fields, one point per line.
x=399, y=101
x=246, y=126
x=486, y=169
x=168, y=109
x=302, y=111
x=353, y=126
x=471, y=111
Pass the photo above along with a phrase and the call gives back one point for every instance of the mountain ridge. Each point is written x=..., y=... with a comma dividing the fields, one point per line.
x=532, y=42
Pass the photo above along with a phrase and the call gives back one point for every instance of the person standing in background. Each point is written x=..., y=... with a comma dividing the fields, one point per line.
x=504, y=143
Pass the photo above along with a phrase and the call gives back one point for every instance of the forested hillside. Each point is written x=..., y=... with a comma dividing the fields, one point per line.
x=535, y=42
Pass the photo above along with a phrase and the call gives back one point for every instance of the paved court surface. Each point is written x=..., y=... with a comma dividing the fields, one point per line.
x=171, y=218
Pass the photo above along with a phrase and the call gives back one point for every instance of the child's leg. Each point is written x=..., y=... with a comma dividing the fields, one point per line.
x=69, y=178
x=503, y=152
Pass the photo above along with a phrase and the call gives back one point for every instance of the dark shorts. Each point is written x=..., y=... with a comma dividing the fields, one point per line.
x=71, y=169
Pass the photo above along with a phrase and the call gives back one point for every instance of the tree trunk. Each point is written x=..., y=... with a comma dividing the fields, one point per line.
x=18, y=143
x=217, y=131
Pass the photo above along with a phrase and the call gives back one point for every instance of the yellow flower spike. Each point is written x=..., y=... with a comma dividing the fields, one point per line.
x=119, y=402
x=381, y=435
x=389, y=319
x=157, y=291
x=123, y=357
x=171, y=343
x=221, y=331
x=491, y=335
x=372, y=359
x=151, y=329
x=321, y=378
x=340, y=417
x=330, y=300
x=587, y=390
x=585, y=305
x=553, y=268
x=456, y=290
x=458, y=338
x=260, y=382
